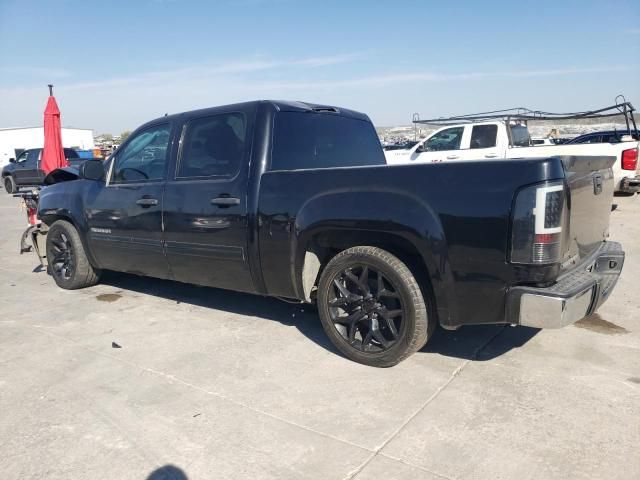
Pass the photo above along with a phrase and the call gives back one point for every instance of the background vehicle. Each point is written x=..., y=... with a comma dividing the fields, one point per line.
x=400, y=146
x=25, y=170
x=536, y=141
x=479, y=138
x=609, y=136
x=295, y=200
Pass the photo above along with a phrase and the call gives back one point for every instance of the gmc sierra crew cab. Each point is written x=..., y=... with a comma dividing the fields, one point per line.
x=295, y=200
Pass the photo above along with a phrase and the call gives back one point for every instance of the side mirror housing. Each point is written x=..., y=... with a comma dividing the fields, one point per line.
x=92, y=170
x=12, y=160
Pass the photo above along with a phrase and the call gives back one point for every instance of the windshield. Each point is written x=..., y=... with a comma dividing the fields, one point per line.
x=70, y=153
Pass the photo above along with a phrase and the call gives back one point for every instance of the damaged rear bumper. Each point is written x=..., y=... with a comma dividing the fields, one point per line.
x=576, y=294
x=34, y=240
x=630, y=184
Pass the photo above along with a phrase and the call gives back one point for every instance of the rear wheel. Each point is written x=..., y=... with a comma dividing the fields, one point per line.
x=68, y=263
x=371, y=307
x=9, y=184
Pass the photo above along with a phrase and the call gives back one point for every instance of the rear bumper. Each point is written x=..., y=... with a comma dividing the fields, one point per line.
x=576, y=294
x=630, y=184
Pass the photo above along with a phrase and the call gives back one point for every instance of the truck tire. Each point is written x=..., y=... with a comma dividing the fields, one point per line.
x=9, y=184
x=68, y=262
x=371, y=307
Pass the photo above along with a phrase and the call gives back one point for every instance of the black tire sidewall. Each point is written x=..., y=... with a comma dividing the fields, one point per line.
x=399, y=350
x=72, y=235
x=9, y=184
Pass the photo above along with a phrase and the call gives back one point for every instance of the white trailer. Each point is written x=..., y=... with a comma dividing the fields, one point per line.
x=14, y=140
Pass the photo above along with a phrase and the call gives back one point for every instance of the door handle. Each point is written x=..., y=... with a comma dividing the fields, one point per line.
x=452, y=157
x=147, y=202
x=225, y=201
x=491, y=155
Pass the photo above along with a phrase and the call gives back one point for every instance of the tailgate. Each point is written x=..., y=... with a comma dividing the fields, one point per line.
x=591, y=185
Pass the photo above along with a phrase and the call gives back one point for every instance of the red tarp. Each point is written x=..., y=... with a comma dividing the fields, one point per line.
x=53, y=153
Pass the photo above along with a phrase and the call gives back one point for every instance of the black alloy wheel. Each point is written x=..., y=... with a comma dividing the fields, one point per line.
x=62, y=261
x=365, y=308
x=371, y=307
x=66, y=258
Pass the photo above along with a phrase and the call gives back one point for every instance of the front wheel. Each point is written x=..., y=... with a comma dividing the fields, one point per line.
x=10, y=184
x=371, y=307
x=68, y=262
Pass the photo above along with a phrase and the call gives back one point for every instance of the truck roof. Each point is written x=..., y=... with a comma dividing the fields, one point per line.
x=279, y=105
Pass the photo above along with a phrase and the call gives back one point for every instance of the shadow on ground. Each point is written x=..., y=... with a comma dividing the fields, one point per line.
x=479, y=342
x=168, y=472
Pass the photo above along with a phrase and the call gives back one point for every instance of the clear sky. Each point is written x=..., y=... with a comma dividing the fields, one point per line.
x=117, y=64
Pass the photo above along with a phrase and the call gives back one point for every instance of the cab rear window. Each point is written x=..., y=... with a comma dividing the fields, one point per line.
x=303, y=140
x=520, y=136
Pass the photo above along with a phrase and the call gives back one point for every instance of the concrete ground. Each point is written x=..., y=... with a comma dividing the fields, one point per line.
x=215, y=384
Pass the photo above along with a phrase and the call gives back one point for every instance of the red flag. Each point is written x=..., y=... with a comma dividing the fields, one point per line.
x=53, y=153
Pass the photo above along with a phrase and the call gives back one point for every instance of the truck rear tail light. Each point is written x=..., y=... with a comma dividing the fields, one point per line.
x=630, y=159
x=539, y=215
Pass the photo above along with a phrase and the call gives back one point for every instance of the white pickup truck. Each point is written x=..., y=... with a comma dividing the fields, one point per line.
x=507, y=139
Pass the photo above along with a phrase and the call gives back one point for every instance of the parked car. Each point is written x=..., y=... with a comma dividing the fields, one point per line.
x=498, y=139
x=400, y=146
x=25, y=170
x=610, y=136
x=294, y=200
x=539, y=141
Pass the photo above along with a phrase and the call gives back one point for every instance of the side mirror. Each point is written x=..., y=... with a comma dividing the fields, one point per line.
x=12, y=160
x=92, y=170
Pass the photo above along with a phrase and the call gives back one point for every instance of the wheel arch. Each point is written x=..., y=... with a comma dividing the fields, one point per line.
x=428, y=266
x=49, y=217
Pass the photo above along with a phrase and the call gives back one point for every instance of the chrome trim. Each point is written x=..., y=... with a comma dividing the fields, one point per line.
x=630, y=184
x=576, y=294
x=540, y=311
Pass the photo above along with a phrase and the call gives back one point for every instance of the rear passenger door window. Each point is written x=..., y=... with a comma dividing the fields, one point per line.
x=144, y=157
x=484, y=136
x=213, y=146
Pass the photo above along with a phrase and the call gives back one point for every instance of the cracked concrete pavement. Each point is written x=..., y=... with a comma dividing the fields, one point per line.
x=226, y=385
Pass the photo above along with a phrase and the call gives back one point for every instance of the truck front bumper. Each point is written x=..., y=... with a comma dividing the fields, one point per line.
x=630, y=184
x=576, y=294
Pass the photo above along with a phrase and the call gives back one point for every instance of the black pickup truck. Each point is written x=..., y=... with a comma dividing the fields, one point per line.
x=25, y=170
x=295, y=200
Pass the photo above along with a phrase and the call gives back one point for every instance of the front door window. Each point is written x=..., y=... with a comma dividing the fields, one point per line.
x=448, y=139
x=144, y=157
x=23, y=157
